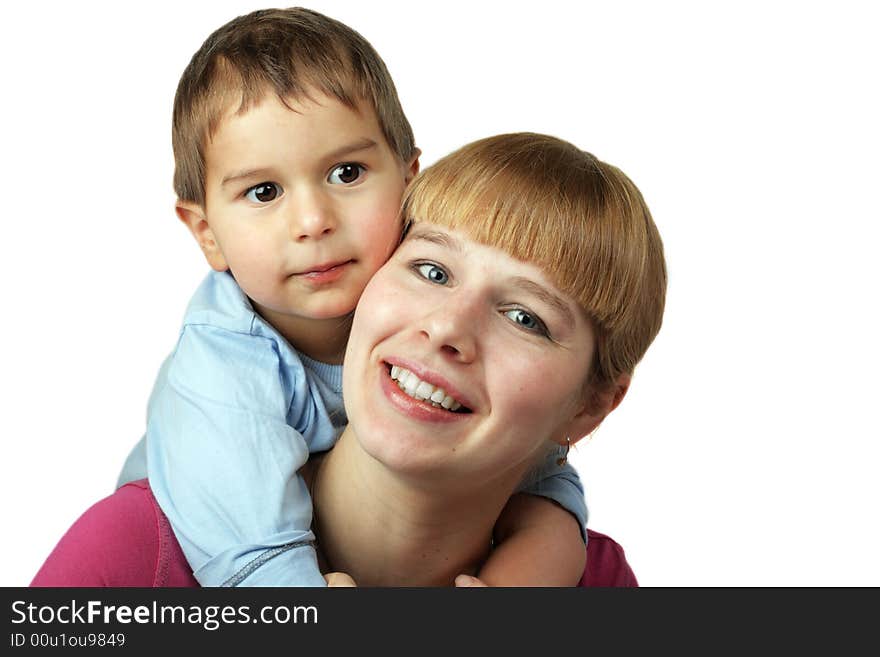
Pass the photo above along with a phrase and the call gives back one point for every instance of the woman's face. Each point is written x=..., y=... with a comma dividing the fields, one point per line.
x=458, y=323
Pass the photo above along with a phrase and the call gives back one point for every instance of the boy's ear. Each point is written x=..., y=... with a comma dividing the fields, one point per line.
x=193, y=215
x=596, y=408
x=412, y=167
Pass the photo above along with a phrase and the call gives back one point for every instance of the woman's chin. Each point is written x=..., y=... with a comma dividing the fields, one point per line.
x=406, y=454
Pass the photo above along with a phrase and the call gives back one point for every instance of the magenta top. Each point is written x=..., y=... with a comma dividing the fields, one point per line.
x=125, y=541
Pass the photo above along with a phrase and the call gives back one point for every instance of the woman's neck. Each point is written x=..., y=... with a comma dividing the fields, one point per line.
x=384, y=530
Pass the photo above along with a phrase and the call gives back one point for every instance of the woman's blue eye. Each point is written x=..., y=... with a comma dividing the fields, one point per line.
x=433, y=273
x=345, y=174
x=263, y=193
x=527, y=320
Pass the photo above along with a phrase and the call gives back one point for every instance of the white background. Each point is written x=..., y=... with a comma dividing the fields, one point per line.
x=747, y=449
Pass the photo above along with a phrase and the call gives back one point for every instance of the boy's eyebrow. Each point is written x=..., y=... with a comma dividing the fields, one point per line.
x=348, y=149
x=354, y=147
x=247, y=173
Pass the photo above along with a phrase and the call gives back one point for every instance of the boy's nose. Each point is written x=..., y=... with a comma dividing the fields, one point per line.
x=312, y=219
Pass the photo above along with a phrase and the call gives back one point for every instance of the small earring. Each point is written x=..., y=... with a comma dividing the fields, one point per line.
x=562, y=460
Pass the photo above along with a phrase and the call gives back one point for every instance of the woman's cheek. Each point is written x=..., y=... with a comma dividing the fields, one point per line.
x=537, y=400
x=382, y=308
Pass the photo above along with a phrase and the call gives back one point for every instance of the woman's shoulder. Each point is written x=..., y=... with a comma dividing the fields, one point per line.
x=606, y=563
x=124, y=540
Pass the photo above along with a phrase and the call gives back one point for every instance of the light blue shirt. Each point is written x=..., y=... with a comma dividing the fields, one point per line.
x=235, y=412
x=559, y=483
x=233, y=415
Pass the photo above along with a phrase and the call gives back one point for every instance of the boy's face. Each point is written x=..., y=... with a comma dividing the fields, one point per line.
x=301, y=205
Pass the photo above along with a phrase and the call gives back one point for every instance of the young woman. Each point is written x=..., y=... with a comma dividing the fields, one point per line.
x=529, y=284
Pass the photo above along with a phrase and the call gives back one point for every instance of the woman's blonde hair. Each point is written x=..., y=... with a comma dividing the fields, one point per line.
x=581, y=220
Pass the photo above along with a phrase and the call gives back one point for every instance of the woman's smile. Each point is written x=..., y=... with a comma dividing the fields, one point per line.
x=418, y=389
x=411, y=396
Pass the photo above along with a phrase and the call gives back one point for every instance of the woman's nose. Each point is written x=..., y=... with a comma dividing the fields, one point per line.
x=451, y=328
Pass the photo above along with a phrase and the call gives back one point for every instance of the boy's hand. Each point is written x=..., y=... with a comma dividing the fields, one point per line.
x=467, y=581
x=537, y=543
x=339, y=580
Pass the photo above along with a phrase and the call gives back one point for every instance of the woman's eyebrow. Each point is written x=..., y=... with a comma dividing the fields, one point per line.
x=529, y=286
x=436, y=237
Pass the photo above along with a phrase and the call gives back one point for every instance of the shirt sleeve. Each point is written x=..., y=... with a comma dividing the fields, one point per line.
x=559, y=483
x=223, y=462
x=135, y=466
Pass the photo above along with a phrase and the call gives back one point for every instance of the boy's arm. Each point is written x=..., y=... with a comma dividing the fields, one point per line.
x=223, y=462
x=541, y=537
x=538, y=543
x=135, y=466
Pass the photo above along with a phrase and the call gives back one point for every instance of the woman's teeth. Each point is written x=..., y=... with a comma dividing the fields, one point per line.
x=422, y=390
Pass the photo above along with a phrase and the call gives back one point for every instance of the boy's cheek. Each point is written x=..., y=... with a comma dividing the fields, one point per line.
x=383, y=233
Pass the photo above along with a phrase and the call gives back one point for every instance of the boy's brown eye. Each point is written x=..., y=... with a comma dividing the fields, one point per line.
x=345, y=174
x=263, y=193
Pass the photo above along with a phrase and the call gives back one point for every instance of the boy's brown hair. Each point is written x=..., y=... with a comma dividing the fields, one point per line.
x=291, y=52
x=583, y=221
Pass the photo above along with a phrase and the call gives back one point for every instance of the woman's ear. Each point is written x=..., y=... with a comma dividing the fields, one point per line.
x=193, y=215
x=597, y=405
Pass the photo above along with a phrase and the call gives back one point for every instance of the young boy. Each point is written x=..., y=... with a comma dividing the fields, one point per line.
x=292, y=154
